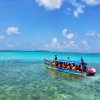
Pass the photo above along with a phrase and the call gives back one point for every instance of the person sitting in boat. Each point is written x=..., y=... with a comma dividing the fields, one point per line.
x=77, y=67
x=84, y=68
x=63, y=65
x=80, y=67
x=59, y=65
x=56, y=63
x=66, y=65
x=53, y=64
x=69, y=66
x=74, y=67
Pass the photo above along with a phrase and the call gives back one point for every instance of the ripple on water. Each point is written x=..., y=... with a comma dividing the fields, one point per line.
x=32, y=81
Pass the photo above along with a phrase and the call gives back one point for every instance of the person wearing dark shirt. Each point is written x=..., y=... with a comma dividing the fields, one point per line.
x=84, y=68
x=55, y=57
x=82, y=61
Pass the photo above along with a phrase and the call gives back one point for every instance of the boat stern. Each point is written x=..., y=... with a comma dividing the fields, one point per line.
x=90, y=72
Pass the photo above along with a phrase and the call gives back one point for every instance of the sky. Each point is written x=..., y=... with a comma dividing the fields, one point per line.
x=55, y=25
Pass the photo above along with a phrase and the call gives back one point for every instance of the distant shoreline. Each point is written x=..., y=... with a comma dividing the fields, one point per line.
x=24, y=51
x=46, y=51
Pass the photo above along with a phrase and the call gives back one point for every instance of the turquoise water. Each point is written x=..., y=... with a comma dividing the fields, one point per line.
x=24, y=76
x=39, y=56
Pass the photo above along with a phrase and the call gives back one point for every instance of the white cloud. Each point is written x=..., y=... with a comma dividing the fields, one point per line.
x=71, y=44
x=85, y=44
x=54, y=43
x=13, y=30
x=10, y=45
x=1, y=37
x=50, y=4
x=92, y=2
x=78, y=8
x=64, y=31
x=93, y=33
x=74, y=3
x=67, y=35
x=78, y=11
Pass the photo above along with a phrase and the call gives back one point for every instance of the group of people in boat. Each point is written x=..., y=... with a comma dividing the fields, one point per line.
x=70, y=66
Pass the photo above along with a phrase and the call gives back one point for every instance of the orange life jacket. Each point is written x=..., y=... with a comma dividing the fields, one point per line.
x=53, y=64
x=68, y=67
x=63, y=66
x=59, y=65
x=73, y=68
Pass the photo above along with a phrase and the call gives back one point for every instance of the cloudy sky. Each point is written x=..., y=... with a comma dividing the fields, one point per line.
x=55, y=25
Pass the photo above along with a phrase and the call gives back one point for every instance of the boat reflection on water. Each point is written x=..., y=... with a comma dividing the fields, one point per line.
x=56, y=74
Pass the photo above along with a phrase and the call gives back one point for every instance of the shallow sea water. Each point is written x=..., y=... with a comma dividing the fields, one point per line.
x=31, y=80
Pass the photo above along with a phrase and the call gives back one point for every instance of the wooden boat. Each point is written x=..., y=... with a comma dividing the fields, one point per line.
x=88, y=72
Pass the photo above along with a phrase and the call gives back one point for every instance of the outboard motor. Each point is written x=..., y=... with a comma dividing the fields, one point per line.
x=90, y=72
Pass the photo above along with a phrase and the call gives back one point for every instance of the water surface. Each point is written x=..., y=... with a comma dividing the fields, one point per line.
x=24, y=76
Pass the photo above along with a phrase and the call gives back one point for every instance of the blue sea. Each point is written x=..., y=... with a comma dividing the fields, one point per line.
x=24, y=76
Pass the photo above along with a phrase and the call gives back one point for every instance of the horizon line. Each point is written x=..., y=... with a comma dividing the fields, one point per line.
x=49, y=51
